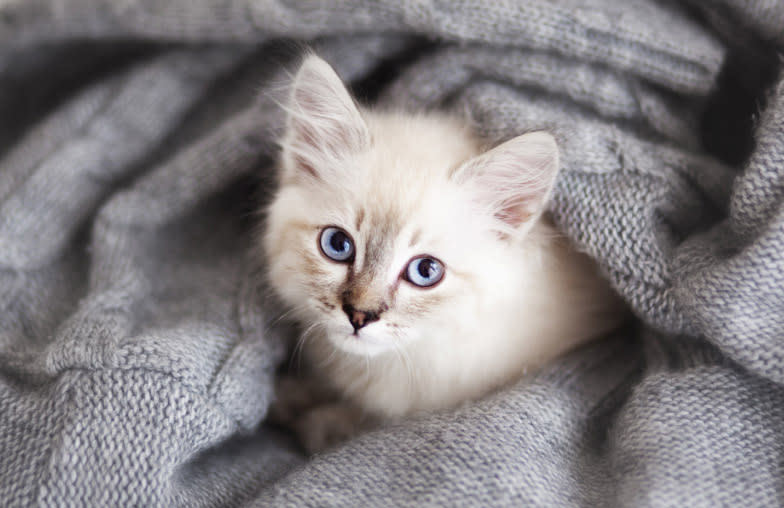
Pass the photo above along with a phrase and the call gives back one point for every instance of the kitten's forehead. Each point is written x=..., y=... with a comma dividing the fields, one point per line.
x=407, y=169
x=430, y=143
x=397, y=197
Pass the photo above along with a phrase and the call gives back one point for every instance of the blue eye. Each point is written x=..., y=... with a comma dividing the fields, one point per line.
x=424, y=272
x=336, y=244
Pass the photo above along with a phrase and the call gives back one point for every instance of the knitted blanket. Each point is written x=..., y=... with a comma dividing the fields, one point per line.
x=137, y=138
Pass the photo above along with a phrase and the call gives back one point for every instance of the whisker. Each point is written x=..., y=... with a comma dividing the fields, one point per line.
x=400, y=354
x=332, y=353
x=303, y=337
x=367, y=369
x=406, y=361
x=283, y=316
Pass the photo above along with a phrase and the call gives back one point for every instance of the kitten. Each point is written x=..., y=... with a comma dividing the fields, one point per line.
x=421, y=267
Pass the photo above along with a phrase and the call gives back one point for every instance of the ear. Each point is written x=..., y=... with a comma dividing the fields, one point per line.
x=515, y=179
x=324, y=124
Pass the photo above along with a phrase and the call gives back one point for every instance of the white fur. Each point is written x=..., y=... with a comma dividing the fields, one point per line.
x=514, y=294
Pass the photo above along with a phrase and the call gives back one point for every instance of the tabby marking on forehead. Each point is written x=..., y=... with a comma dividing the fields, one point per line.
x=365, y=290
x=381, y=228
x=415, y=238
x=360, y=218
x=377, y=251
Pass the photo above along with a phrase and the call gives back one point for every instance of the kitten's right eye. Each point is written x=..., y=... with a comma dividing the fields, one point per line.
x=336, y=244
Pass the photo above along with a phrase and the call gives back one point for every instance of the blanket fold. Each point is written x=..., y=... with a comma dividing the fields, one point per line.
x=137, y=351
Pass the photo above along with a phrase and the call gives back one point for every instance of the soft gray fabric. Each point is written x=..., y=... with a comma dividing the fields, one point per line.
x=137, y=352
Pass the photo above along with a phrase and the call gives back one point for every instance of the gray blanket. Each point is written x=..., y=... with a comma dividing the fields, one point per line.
x=137, y=353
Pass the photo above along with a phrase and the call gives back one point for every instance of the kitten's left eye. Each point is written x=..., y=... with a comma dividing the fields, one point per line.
x=424, y=272
x=336, y=244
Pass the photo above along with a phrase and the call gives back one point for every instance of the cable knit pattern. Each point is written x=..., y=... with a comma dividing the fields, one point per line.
x=137, y=350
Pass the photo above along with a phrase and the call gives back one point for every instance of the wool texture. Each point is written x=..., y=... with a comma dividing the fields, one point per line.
x=137, y=350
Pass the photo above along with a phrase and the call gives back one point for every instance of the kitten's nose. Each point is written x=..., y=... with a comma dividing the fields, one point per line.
x=359, y=318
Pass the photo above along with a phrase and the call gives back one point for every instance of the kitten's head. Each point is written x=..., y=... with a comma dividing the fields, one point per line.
x=390, y=228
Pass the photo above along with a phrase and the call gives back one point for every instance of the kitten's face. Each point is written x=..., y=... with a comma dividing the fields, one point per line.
x=380, y=246
x=383, y=232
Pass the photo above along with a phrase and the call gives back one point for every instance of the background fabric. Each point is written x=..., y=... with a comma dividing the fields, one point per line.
x=137, y=138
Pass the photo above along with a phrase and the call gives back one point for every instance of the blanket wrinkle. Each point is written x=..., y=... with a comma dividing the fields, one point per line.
x=138, y=347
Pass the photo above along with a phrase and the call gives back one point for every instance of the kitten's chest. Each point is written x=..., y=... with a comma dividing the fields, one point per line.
x=411, y=380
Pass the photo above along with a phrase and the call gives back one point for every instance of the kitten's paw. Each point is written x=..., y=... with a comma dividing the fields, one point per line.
x=326, y=426
x=295, y=396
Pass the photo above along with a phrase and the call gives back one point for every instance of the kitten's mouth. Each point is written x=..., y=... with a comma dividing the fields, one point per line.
x=359, y=335
x=357, y=341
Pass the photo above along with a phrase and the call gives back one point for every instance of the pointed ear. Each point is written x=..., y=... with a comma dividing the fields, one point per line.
x=515, y=179
x=323, y=124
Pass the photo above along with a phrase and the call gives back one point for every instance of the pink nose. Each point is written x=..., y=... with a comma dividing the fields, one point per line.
x=359, y=318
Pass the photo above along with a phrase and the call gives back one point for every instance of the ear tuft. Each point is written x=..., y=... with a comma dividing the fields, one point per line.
x=515, y=179
x=324, y=123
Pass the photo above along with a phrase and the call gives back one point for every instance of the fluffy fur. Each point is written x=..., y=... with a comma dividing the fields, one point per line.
x=514, y=293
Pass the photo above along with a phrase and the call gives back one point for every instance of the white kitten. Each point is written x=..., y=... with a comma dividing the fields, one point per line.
x=421, y=267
